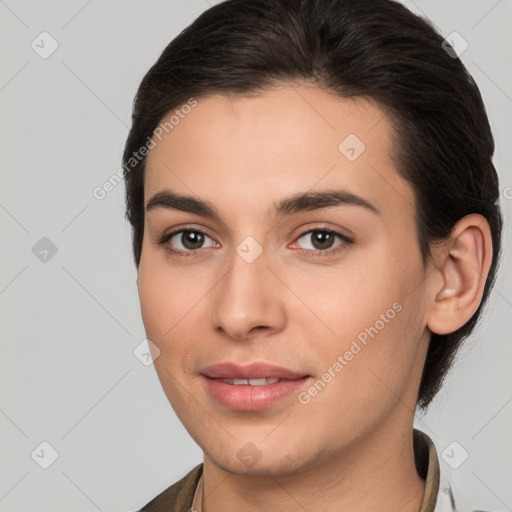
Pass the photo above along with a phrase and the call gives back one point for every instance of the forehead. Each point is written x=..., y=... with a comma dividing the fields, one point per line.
x=253, y=150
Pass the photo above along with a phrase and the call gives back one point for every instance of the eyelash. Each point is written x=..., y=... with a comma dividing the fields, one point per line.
x=310, y=252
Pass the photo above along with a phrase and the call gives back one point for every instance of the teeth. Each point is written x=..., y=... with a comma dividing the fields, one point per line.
x=250, y=382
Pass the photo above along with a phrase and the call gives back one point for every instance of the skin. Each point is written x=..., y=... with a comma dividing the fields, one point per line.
x=350, y=447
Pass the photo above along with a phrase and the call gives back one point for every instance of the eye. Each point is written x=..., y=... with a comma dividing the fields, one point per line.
x=186, y=241
x=318, y=242
x=323, y=241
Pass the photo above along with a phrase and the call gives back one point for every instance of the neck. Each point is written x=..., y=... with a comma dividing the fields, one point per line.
x=376, y=472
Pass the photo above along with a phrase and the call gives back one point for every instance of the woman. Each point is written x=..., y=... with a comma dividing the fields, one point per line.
x=316, y=230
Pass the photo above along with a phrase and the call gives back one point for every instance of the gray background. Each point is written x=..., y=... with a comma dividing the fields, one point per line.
x=70, y=323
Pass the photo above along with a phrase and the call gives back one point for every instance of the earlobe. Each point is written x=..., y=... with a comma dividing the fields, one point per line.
x=464, y=264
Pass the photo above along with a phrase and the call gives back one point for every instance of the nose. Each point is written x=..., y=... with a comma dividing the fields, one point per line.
x=249, y=300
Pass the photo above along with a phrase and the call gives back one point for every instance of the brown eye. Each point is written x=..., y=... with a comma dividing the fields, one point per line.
x=320, y=239
x=322, y=242
x=192, y=239
x=187, y=240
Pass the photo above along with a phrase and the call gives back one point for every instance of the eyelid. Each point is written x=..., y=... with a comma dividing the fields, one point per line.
x=320, y=226
x=185, y=227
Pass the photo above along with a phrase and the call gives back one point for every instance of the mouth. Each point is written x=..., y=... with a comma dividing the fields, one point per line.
x=255, y=374
x=253, y=382
x=252, y=394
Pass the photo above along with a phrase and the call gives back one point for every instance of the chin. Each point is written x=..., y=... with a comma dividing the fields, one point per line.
x=259, y=458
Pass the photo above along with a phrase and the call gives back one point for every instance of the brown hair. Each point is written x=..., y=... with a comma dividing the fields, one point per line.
x=372, y=48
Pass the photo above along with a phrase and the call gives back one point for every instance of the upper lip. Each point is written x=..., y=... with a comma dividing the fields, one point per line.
x=230, y=370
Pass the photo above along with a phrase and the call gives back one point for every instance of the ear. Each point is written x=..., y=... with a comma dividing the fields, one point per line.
x=463, y=263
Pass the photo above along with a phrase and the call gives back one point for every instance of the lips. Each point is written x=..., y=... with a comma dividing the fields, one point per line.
x=252, y=387
x=230, y=370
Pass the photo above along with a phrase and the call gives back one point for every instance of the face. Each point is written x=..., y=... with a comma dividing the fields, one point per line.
x=331, y=288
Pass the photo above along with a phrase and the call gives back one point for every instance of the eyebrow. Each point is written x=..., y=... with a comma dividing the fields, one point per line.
x=297, y=203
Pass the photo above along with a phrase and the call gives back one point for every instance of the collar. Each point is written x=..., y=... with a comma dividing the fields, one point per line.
x=427, y=465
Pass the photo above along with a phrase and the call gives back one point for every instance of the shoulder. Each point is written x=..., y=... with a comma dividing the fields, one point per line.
x=177, y=497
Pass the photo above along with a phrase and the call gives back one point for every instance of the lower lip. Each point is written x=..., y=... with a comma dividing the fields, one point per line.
x=251, y=398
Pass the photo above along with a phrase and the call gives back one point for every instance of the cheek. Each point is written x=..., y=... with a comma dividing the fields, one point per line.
x=155, y=302
x=173, y=308
x=168, y=307
x=166, y=296
x=360, y=382
x=342, y=302
x=374, y=315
